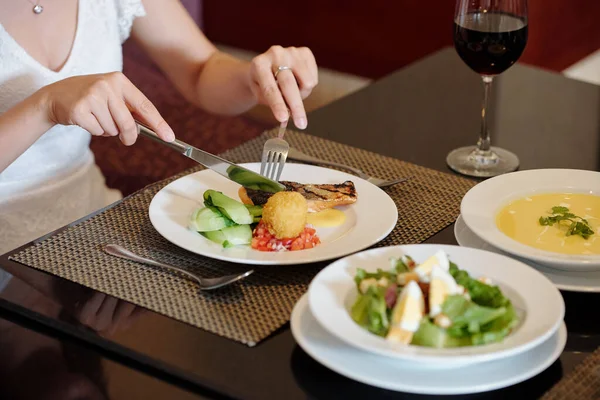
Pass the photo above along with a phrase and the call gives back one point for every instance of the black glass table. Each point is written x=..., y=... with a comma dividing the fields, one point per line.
x=416, y=114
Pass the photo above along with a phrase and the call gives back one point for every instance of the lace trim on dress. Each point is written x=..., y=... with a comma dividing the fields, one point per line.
x=127, y=11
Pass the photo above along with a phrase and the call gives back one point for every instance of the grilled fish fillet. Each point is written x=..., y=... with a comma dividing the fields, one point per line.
x=318, y=197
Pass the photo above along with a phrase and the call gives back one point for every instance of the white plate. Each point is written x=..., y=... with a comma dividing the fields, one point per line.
x=574, y=281
x=405, y=376
x=368, y=221
x=333, y=291
x=482, y=203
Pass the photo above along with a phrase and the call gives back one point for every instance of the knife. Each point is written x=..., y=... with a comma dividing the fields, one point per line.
x=243, y=176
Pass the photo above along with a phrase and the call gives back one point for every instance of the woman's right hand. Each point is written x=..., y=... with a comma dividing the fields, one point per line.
x=104, y=105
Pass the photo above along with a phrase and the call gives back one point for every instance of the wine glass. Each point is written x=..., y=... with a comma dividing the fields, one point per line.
x=489, y=36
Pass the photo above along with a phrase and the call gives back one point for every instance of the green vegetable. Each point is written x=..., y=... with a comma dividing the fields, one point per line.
x=252, y=181
x=362, y=274
x=256, y=212
x=224, y=220
x=498, y=329
x=482, y=325
x=370, y=311
x=481, y=293
x=467, y=317
x=575, y=225
x=455, y=306
x=230, y=236
x=206, y=219
x=487, y=317
x=232, y=209
x=431, y=335
x=399, y=266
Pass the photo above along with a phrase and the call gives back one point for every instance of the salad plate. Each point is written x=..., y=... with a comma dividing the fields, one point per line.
x=366, y=221
x=549, y=216
x=574, y=281
x=517, y=309
x=405, y=376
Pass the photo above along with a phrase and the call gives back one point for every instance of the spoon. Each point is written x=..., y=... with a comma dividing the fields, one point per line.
x=203, y=283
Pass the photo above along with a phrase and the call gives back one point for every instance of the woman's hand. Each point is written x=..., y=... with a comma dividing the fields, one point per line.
x=291, y=86
x=104, y=105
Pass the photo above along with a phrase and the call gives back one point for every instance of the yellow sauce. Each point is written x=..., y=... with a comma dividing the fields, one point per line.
x=519, y=220
x=327, y=218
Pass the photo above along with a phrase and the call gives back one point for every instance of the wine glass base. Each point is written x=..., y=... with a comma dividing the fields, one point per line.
x=482, y=164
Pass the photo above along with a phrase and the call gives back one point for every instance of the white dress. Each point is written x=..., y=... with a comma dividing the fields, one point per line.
x=56, y=181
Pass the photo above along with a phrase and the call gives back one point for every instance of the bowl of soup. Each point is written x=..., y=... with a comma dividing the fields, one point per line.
x=551, y=216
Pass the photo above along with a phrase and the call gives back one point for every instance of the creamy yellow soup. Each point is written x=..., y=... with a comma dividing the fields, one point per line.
x=519, y=220
x=327, y=218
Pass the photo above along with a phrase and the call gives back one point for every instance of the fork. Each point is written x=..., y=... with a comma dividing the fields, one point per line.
x=275, y=152
x=295, y=154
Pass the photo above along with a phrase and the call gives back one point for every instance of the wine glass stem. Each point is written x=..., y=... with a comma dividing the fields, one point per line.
x=484, y=139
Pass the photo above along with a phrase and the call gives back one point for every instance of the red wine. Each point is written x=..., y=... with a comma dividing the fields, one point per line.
x=490, y=42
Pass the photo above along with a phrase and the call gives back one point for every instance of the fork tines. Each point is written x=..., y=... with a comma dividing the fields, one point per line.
x=274, y=156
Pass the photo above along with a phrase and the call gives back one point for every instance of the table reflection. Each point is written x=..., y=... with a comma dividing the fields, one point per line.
x=67, y=301
x=35, y=366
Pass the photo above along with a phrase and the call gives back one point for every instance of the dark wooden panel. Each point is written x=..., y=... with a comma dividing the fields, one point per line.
x=561, y=32
x=374, y=38
x=368, y=38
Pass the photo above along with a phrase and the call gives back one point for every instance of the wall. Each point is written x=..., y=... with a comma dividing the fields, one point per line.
x=373, y=38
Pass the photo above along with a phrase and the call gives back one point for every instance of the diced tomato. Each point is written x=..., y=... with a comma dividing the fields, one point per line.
x=262, y=240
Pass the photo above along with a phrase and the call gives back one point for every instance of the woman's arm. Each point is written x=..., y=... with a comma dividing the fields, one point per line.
x=216, y=81
x=21, y=126
x=102, y=104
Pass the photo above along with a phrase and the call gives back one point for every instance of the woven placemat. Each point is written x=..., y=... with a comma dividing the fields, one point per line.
x=250, y=311
x=581, y=383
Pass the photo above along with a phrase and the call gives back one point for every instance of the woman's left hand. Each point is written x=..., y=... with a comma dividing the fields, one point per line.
x=291, y=86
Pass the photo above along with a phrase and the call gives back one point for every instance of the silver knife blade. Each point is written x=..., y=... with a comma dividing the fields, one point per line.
x=243, y=176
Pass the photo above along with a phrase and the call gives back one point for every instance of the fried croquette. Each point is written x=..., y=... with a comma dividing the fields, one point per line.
x=285, y=214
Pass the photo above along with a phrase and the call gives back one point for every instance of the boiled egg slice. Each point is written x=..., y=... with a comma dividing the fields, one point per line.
x=441, y=286
x=407, y=314
x=424, y=270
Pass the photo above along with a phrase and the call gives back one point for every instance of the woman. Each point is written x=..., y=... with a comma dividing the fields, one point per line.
x=60, y=81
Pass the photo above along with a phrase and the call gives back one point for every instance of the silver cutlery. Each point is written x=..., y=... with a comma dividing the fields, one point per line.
x=297, y=155
x=203, y=283
x=274, y=155
x=229, y=170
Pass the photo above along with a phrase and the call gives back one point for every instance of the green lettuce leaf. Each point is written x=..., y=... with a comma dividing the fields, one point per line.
x=481, y=293
x=482, y=324
x=370, y=312
x=431, y=335
x=398, y=266
x=497, y=329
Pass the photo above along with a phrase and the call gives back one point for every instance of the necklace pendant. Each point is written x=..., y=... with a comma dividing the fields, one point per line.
x=37, y=9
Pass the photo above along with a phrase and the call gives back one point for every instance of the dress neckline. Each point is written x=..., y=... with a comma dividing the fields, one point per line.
x=67, y=64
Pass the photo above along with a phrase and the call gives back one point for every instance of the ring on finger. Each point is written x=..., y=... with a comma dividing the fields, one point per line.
x=281, y=68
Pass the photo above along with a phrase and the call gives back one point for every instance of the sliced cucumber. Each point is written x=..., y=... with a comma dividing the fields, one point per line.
x=214, y=236
x=232, y=209
x=231, y=236
x=206, y=219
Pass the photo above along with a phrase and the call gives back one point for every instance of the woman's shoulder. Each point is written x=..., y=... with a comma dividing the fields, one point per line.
x=127, y=11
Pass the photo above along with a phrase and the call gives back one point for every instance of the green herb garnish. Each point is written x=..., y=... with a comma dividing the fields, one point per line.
x=575, y=225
